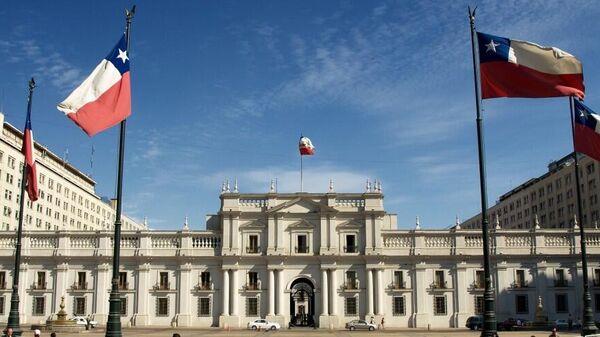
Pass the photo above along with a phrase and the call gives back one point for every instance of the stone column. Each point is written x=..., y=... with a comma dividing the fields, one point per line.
x=143, y=286
x=369, y=292
x=380, y=292
x=324, y=293
x=184, y=315
x=271, y=292
x=461, y=286
x=60, y=287
x=280, y=234
x=422, y=302
x=234, y=293
x=280, y=293
x=24, y=283
x=225, y=290
x=103, y=275
x=334, y=296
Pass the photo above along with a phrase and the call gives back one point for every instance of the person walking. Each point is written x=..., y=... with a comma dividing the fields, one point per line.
x=554, y=333
x=9, y=332
x=382, y=323
x=570, y=322
x=37, y=333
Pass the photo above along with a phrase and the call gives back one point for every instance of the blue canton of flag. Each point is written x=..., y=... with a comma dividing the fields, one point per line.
x=493, y=48
x=586, y=133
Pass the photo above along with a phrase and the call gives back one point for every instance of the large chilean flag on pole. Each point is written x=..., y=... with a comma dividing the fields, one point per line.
x=27, y=150
x=104, y=98
x=511, y=68
x=587, y=131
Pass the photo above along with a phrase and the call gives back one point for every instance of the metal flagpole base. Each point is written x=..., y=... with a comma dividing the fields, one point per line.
x=113, y=325
x=13, y=316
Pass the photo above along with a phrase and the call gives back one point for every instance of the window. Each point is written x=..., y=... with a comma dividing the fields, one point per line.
x=162, y=306
x=439, y=281
x=560, y=280
x=41, y=280
x=252, y=280
x=562, y=303
x=204, y=306
x=351, y=280
x=123, y=306
x=399, y=307
x=302, y=244
x=350, y=244
x=522, y=303
x=520, y=279
x=79, y=306
x=351, y=306
x=39, y=306
x=479, y=305
x=2, y=280
x=252, y=306
x=596, y=277
x=479, y=279
x=2, y=311
x=252, y=244
x=205, y=280
x=597, y=302
x=439, y=305
x=164, y=280
x=398, y=280
x=11, y=164
x=123, y=284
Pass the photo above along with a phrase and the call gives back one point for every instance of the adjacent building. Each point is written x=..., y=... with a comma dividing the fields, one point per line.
x=67, y=197
x=548, y=201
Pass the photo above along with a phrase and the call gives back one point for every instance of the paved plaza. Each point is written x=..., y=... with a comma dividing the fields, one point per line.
x=168, y=332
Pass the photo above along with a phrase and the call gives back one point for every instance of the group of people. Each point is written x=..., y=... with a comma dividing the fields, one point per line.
x=382, y=325
x=36, y=333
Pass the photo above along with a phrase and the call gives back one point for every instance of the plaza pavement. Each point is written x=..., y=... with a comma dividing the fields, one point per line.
x=190, y=332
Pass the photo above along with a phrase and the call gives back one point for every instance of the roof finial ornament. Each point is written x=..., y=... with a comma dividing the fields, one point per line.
x=235, y=186
x=498, y=222
x=596, y=224
x=379, y=186
x=146, y=221
x=536, y=221
x=186, y=226
x=417, y=223
x=575, y=224
x=272, y=188
x=368, y=186
x=227, y=188
x=457, y=223
x=331, y=189
x=223, y=187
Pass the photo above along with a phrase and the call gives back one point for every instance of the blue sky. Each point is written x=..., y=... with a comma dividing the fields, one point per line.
x=223, y=89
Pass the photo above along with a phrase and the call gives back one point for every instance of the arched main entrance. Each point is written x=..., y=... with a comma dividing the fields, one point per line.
x=302, y=303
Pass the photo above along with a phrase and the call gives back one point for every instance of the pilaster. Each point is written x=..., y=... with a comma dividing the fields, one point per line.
x=461, y=294
x=103, y=279
x=184, y=314
x=60, y=287
x=140, y=318
x=420, y=297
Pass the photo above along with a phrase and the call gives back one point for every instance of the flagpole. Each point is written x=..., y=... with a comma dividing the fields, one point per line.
x=13, y=317
x=588, y=326
x=489, y=316
x=113, y=324
x=301, y=174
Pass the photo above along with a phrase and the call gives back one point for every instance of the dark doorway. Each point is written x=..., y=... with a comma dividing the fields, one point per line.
x=302, y=303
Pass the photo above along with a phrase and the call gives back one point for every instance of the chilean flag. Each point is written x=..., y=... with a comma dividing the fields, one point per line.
x=511, y=68
x=587, y=131
x=104, y=98
x=27, y=150
x=306, y=147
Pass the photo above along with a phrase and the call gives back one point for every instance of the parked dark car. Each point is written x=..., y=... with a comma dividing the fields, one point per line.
x=360, y=325
x=474, y=322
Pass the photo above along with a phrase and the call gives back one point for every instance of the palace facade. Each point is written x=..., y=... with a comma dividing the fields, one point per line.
x=299, y=259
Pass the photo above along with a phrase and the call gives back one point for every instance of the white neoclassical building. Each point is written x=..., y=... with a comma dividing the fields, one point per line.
x=300, y=259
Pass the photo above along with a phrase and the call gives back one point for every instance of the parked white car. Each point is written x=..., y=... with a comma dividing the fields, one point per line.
x=263, y=324
x=80, y=320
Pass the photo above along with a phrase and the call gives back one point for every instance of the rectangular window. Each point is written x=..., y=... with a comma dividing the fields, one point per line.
x=81, y=280
x=562, y=303
x=252, y=280
x=479, y=305
x=79, y=306
x=204, y=306
x=302, y=244
x=479, y=279
x=205, y=280
x=2, y=310
x=123, y=306
x=350, y=243
x=351, y=306
x=560, y=280
x=123, y=284
x=439, y=305
x=351, y=280
x=39, y=306
x=41, y=280
x=399, y=280
x=439, y=279
x=597, y=302
x=252, y=306
x=162, y=306
x=520, y=279
x=252, y=244
x=399, y=308
x=2, y=280
x=164, y=280
x=522, y=303
x=596, y=277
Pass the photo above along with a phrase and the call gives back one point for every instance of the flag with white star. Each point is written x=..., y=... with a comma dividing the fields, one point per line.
x=586, y=133
x=104, y=98
x=512, y=68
